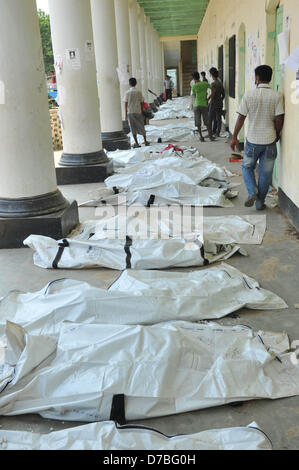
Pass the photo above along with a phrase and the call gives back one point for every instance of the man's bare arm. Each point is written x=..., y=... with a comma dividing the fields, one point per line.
x=213, y=92
x=238, y=127
x=279, y=122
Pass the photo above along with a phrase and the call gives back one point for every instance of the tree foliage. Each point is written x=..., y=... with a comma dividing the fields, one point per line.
x=45, y=29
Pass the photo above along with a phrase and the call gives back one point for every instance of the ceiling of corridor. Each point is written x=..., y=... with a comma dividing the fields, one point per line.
x=175, y=17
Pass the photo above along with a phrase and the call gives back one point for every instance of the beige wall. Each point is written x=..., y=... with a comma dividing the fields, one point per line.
x=223, y=19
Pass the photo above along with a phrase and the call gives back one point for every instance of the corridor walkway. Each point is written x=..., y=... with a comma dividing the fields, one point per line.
x=273, y=264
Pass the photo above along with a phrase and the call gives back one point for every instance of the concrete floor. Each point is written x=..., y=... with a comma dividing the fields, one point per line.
x=275, y=264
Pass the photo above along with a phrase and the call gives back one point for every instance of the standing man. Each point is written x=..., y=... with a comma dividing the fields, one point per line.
x=204, y=76
x=265, y=110
x=200, y=90
x=53, y=77
x=192, y=83
x=134, y=104
x=168, y=84
x=216, y=100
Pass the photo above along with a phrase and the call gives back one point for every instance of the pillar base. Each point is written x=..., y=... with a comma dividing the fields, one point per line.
x=83, y=174
x=115, y=141
x=33, y=206
x=126, y=127
x=13, y=231
x=83, y=159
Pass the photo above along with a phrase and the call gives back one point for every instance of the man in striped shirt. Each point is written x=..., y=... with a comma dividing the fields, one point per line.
x=265, y=110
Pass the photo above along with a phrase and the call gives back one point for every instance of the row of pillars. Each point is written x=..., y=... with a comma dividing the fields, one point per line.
x=98, y=45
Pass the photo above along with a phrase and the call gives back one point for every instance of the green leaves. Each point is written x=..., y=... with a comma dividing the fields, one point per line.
x=45, y=29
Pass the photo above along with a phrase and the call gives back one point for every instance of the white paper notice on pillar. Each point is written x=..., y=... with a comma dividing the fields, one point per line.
x=61, y=96
x=293, y=61
x=59, y=114
x=123, y=73
x=284, y=45
x=73, y=58
x=2, y=93
x=58, y=64
x=89, y=51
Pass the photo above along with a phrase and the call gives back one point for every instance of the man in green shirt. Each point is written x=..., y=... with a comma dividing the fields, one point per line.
x=200, y=90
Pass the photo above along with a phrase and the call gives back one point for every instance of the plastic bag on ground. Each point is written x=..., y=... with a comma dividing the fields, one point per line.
x=137, y=297
x=166, y=194
x=127, y=253
x=157, y=223
x=151, y=371
x=109, y=436
x=161, y=171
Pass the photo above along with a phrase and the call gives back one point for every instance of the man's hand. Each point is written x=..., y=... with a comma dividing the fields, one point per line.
x=239, y=125
x=279, y=122
x=234, y=145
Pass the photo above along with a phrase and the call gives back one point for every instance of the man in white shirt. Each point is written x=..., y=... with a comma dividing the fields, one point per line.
x=192, y=83
x=134, y=103
x=265, y=110
x=168, y=85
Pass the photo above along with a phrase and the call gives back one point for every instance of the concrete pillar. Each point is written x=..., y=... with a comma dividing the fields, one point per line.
x=29, y=199
x=149, y=54
x=103, y=16
x=123, y=49
x=134, y=38
x=143, y=57
x=163, y=64
x=78, y=93
x=156, y=63
x=154, y=66
x=160, y=66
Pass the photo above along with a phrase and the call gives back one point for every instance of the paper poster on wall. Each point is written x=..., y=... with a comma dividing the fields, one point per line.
x=89, y=54
x=58, y=64
x=123, y=73
x=2, y=92
x=284, y=46
x=73, y=58
x=61, y=96
x=59, y=114
x=297, y=85
x=293, y=61
x=263, y=54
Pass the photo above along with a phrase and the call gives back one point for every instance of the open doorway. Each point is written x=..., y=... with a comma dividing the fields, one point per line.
x=173, y=73
x=220, y=62
x=226, y=80
x=242, y=70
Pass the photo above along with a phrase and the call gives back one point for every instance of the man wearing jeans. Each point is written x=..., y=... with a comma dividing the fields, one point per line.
x=200, y=90
x=265, y=110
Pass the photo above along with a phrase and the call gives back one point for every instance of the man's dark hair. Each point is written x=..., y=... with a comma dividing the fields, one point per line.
x=214, y=72
x=203, y=74
x=264, y=72
x=196, y=76
x=133, y=81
